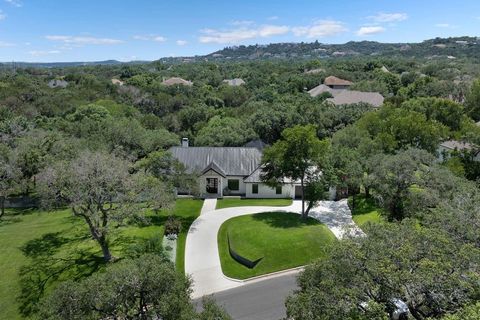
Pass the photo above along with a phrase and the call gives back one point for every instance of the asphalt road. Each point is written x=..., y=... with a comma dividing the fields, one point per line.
x=264, y=300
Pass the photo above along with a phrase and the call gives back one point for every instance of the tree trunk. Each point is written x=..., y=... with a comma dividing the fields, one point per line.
x=2, y=204
x=304, y=216
x=353, y=202
x=367, y=192
x=107, y=256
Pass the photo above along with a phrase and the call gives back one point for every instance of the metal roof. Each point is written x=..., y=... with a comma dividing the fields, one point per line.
x=233, y=161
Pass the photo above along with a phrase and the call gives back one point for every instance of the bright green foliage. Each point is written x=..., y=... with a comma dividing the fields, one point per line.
x=424, y=268
x=299, y=156
x=227, y=132
x=284, y=240
x=472, y=103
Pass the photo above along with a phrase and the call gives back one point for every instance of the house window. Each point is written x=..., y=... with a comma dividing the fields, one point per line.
x=255, y=188
x=233, y=184
x=278, y=190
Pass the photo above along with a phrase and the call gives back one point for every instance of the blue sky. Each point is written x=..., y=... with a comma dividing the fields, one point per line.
x=85, y=30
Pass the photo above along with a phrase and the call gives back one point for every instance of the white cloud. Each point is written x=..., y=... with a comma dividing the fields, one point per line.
x=271, y=30
x=320, y=29
x=240, y=34
x=242, y=22
x=2, y=15
x=446, y=26
x=181, y=42
x=150, y=37
x=370, y=30
x=38, y=53
x=4, y=44
x=388, y=17
x=15, y=3
x=73, y=40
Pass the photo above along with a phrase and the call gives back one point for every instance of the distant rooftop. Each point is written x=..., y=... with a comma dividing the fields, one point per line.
x=318, y=90
x=334, y=81
x=350, y=97
x=177, y=81
x=234, y=82
x=457, y=145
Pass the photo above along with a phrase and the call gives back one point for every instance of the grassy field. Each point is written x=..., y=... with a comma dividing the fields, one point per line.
x=282, y=239
x=40, y=249
x=366, y=211
x=241, y=202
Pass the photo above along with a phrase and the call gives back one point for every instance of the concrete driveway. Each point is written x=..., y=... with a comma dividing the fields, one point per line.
x=202, y=260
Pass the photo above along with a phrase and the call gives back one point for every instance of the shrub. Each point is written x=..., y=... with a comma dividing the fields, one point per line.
x=173, y=226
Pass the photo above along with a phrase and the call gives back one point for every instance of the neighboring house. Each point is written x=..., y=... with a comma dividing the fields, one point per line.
x=318, y=90
x=230, y=171
x=117, y=82
x=314, y=71
x=57, y=83
x=350, y=97
x=176, y=81
x=234, y=82
x=446, y=149
x=337, y=83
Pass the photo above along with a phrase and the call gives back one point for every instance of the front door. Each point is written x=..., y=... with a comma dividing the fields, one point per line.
x=212, y=185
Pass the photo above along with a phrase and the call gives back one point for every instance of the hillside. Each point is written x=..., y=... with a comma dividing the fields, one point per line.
x=459, y=47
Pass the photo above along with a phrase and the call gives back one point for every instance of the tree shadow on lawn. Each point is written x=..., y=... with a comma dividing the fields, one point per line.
x=284, y=220
x=53, y=257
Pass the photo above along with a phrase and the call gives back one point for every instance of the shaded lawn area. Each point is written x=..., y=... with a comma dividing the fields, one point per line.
x=40, y=249
x=365, y=211
x=241, y=202
x=281, y=238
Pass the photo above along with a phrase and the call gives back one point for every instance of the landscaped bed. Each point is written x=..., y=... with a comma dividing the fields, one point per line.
x=282, y=239
x=56, y=244
x=242, y=202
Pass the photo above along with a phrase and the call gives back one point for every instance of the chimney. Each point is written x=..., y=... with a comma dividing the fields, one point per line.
x=185, y=142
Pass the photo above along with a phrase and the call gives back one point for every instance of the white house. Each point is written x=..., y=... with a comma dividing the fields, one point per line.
x=226, y=171
x=448, y=147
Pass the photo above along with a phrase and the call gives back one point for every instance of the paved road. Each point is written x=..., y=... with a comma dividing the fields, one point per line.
x=264, y=300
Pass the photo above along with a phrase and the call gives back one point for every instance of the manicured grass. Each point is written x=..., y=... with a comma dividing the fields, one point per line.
x=365, y=211
x=281, y=238
x=187, y=210
x=57, y=246
x=241, y=202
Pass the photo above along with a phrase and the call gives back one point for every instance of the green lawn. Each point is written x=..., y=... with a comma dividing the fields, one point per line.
x=365, y=211
x=241, y=202
x=282, y=239
x=40, y=249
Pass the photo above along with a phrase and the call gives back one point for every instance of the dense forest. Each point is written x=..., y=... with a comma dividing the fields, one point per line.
x=123, y=115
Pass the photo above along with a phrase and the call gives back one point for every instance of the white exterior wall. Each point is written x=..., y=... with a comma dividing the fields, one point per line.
x=264, y=191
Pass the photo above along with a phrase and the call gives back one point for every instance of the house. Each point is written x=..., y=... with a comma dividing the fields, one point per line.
x=448, y=147
x=350, y=97
x=318, y=90
x=57, y=83
x=337, y=83
x=117, y=82
x=176, y=81
x=234, y=82
x=230, y=171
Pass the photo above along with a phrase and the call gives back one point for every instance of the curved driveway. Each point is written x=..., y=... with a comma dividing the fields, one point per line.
x=202, y=260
